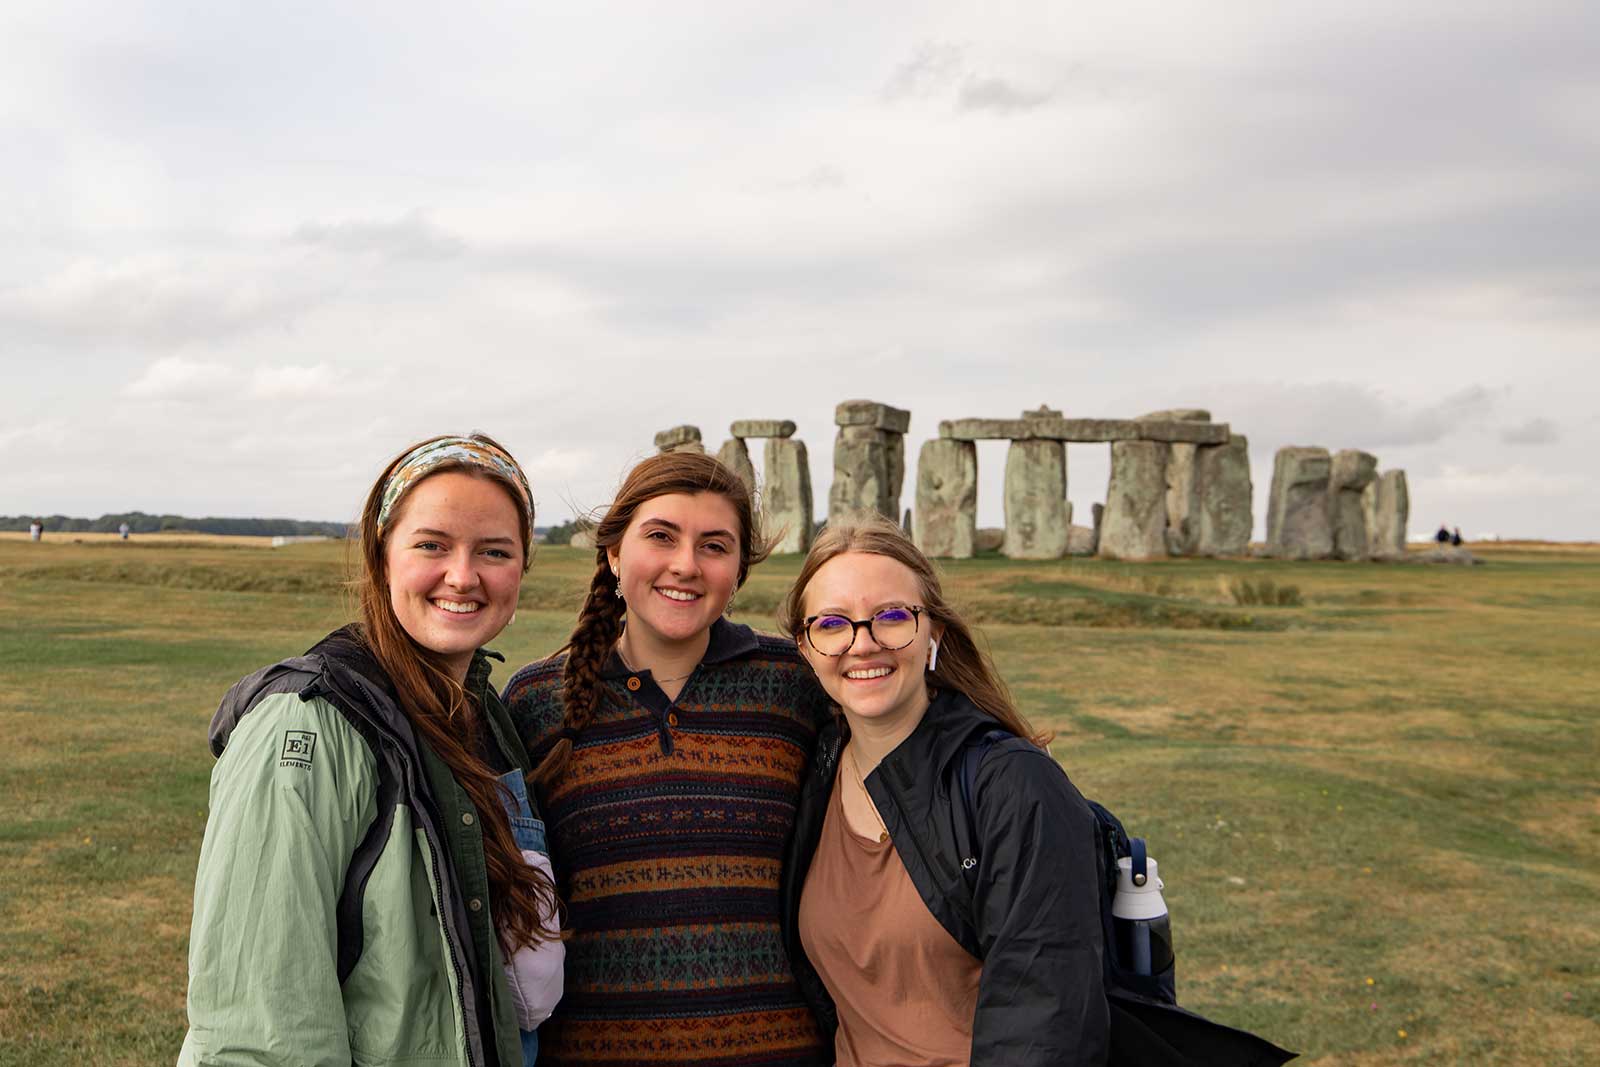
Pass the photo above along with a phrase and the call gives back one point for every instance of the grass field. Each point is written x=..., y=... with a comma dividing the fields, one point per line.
x=1374, y=797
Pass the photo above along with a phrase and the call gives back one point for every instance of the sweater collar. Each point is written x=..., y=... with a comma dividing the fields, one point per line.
x=728, y=640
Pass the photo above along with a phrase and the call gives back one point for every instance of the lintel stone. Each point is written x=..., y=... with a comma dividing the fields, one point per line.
x=678, y=435
x=871, y=413
x=983, y=429
x=762, y=428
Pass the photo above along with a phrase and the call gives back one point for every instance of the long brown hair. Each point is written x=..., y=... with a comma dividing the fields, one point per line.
x=446, y=715
x=600, y=621
x=962, y=665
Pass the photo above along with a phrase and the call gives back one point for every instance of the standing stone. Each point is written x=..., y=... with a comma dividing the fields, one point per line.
x=1225, y=498
x=860, y=474
x=897, y=473
x=1135, y=521
x=680, y=439
x=869, y=459
x=905, y=523
x=1350, y=472
x=786, y=496
x=1183, y=503
x=1036, y=500
x=1297, y=509
x=946, y=515
x=736, y=457
x=1098, y=511
x=1393, y=513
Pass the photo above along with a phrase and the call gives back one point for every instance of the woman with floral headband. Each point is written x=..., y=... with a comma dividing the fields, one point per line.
x=372, y=886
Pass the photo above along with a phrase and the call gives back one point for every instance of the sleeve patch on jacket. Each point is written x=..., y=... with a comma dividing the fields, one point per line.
x=298, y=748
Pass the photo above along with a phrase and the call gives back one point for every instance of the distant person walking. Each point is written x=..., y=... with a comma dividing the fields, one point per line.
x=122, y=531
x=1455, y=536
x=36, y=530
x=1443, y=536
x=373, y=885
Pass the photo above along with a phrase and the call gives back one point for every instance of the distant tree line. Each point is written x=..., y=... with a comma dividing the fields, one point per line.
x=141, y=523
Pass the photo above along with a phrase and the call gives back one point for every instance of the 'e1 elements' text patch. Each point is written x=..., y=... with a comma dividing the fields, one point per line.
x=298, y=746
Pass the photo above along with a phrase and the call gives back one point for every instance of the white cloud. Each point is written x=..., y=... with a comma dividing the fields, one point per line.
x=1536, y=431
x=1500, y=483
x=410, y=237
x=176, y=378
x=294, y=382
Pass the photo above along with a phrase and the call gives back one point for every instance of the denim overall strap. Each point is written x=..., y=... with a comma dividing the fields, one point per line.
x=528, y=833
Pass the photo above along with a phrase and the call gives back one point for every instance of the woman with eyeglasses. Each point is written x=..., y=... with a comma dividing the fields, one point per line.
x=919, y=939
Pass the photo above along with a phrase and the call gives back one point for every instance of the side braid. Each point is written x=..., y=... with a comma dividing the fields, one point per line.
x=599, y=626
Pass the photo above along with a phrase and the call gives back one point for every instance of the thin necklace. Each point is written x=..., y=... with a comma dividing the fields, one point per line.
x=855, y=769
x=623, y=656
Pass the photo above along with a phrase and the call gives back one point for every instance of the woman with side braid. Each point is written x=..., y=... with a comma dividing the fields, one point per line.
x=669, y=747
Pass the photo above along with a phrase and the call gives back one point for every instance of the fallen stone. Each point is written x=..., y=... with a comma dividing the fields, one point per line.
x=1225, y=498
x=1392, y=514
x=871, y=413
x=946, y=514
x=583, y=538
x=1349, y=473
x=1134, y=526
x=1447, y=554
x=990, y=539
x=736, y=457
x=666, y=440
x=1080, y=541
x=786, y=495
x=1036, y=500
x=762, y=428
x=1297, y=508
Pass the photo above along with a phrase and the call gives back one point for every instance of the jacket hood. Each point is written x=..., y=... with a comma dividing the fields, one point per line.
x=340, y=653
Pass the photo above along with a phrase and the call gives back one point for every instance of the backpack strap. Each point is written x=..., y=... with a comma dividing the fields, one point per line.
x=971, y=757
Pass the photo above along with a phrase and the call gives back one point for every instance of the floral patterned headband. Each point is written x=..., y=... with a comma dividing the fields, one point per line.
x=424, y=459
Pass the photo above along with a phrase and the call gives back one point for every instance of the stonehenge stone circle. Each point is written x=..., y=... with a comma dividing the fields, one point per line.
x=945, y=518
x=1180, y=485
x=1297, y=509
x=736, y=457
x=786, y=494
x=1036, y=500
x=1224, y=498
x=1387, y=536
x=1349, y=475
x=1134, y=526
x=868, y=459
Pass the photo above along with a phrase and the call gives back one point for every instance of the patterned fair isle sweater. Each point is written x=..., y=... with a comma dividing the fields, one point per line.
x=667, y=832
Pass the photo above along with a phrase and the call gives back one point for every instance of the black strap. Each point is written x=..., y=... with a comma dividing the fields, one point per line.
x=971, y=757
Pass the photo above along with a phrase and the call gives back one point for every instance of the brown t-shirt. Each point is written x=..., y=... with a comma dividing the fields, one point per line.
x=904, y=988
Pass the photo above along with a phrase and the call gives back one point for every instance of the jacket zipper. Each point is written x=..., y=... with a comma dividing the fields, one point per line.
x=444, y=924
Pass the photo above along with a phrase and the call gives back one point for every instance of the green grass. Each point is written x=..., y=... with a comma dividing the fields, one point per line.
x=1371, y=788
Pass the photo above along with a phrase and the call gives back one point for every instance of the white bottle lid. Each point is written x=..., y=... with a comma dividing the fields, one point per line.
x=1137, y=901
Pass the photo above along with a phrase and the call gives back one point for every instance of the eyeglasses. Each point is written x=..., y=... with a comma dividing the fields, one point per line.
x=892, y=629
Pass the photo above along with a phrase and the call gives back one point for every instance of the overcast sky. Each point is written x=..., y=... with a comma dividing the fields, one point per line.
x=249, y=251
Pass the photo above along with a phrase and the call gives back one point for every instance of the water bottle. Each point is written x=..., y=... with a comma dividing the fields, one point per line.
x=1139, y=917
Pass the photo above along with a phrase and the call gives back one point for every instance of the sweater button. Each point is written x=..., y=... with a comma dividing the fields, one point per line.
x=633, y=685
x=475, y=904
x=672, y=718
x=466, y=819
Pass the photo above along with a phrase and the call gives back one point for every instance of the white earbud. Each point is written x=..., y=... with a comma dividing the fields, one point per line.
x=933, y=654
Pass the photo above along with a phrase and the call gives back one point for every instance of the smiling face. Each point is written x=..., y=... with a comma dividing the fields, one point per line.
x=679, y=563
x=873, y=685
x=454, y=560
